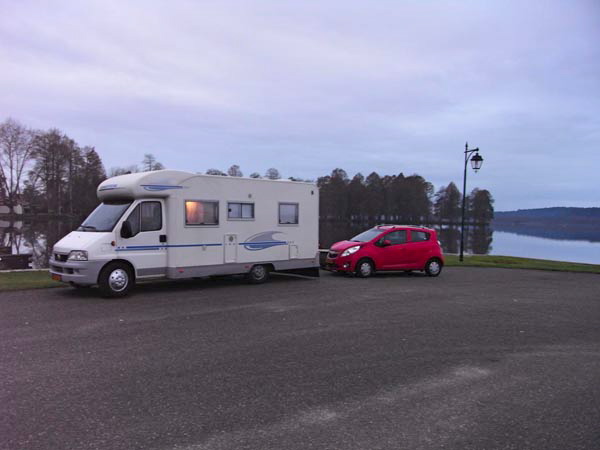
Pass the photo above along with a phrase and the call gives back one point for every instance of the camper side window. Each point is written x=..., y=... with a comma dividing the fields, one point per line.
x=146, y=216
x=201, y=212
x=151, y=216
x=288, y=213
x=134, y=220
x=241, y=211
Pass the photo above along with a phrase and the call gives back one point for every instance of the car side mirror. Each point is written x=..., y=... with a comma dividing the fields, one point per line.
x=126, y=231
x=386, y=243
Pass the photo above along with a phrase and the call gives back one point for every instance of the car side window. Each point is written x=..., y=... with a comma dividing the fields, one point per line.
x=419, y=236
x=396, y=237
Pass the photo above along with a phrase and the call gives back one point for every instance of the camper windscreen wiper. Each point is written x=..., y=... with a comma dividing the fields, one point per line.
x=87, y=227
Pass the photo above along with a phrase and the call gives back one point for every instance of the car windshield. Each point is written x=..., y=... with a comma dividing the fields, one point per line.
x=104, y=217
x=366, y=236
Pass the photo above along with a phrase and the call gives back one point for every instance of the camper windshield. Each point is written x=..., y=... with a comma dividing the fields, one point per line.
x=104, y=217
x=366, y=236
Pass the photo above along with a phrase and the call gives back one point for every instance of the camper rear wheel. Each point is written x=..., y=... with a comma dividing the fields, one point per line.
x=116, y=279
x=258, y=274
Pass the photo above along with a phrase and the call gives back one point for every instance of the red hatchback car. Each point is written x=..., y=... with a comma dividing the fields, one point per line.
x=388, y=247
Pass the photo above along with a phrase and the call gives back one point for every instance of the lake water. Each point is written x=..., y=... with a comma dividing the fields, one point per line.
x=38, y=237
x=512, y=244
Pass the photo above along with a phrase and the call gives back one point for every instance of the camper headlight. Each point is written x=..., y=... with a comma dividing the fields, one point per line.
x=78, y=255
x=351, y=250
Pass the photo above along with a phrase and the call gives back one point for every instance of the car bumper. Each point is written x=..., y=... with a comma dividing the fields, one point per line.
x=84, y=273
x=339, y=265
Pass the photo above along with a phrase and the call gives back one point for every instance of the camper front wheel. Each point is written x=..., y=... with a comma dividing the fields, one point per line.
x=258, y=274
x=115, y=280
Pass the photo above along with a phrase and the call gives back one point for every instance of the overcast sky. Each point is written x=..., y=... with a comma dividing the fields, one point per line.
x=386, y=86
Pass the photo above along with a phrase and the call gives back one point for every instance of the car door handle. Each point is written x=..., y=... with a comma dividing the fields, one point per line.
x=162, y=238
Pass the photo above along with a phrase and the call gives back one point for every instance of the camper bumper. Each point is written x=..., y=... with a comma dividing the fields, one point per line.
x=84, y=273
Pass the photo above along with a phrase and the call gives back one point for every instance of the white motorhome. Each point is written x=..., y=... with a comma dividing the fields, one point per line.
x=172, y=224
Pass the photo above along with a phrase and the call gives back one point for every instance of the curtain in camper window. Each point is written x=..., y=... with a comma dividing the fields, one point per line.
x=199, y=212
x=288, y=213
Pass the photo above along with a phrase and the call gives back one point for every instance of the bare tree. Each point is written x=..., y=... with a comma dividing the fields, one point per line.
x=272, y=174
x=16, y=148
x=116, y=171
x=234, y=171
x=52, y=153
x=149, y=163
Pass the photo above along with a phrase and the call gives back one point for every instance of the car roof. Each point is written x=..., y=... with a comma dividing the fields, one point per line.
x=392, y=226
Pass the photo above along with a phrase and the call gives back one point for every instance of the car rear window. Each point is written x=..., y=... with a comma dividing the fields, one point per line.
x=419, y=236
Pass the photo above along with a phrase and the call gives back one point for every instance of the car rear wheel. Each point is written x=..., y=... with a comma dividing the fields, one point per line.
x=116, y=280
x=433, y=267
x=258, y=274
x=365, y=268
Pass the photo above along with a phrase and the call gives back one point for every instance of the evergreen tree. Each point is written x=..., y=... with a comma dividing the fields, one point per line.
x=447, y=204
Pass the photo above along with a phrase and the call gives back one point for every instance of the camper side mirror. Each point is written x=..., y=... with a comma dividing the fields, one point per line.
x=126, y=231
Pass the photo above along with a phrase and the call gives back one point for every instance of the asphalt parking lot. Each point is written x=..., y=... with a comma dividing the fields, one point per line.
x=474, y=359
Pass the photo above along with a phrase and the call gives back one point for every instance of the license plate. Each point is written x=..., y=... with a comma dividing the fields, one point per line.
x=56, y=277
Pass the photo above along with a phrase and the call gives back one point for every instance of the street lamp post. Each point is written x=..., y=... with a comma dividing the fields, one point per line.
x=476, y=162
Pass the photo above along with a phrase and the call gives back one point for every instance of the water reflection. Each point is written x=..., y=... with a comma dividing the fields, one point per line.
x=34, y=237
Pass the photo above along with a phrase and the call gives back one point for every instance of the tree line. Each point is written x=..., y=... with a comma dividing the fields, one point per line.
x=48, y=172
x=398, y=199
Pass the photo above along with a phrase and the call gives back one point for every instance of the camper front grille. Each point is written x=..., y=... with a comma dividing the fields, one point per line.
x=61, y=257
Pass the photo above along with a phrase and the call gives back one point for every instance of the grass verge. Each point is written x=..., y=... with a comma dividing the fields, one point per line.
x=512, y=262
x=35, y=279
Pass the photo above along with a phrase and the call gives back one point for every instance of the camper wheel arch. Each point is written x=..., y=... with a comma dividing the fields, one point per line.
x=123, y=261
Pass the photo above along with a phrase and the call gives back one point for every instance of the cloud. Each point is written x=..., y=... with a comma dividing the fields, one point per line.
x=306, y=87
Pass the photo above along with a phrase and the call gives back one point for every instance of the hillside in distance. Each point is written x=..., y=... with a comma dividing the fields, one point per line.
x=559, y=212
x=553, y=223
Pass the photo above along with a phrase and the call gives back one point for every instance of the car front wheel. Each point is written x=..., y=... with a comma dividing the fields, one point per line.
x=365, y=268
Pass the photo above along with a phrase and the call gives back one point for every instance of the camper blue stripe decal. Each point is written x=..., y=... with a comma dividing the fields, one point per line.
x=160, y=187
x=122, y=249
x=109, y=187
x=194, y=245
x=159, y=247
x=254, y=246
x=262, y=241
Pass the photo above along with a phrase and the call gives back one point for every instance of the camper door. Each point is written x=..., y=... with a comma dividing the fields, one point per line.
x=142, y=239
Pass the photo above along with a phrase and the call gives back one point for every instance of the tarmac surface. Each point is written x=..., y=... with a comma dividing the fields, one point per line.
x=474, y=359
